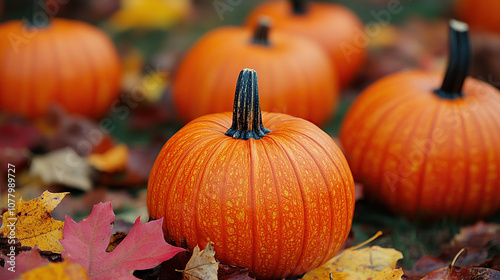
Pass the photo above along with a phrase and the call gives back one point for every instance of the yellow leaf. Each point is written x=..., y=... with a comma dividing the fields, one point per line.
x=390, y=274
x=57, y=271
x=360, y=264
x=150, y=13
x=113, y=160
x=202, y=265
x=31, y=222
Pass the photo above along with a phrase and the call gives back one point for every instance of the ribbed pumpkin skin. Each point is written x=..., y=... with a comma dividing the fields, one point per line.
x=281, y=205
x=422, y=155
x=296, y=76
x=480, y=14
x=333, y=26
x=69, y=63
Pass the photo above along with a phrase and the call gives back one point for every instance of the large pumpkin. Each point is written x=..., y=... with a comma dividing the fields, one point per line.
x=426, y=150
x=336, y=28
x=64, y=62
x=272, y=191
x=296, y=74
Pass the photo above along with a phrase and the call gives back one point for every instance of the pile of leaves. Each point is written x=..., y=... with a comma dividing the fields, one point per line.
x=44, y=248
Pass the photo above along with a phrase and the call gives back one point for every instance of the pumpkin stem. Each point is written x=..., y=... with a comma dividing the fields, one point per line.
x=247, y=117
x=458, y=62
x=299, y=7
x=261, y=34
x=37, y=14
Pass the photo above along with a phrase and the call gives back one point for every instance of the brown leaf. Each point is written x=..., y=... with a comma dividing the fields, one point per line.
x=459, y=273
x=202, y=265
x=424, y=266
x=231, y=272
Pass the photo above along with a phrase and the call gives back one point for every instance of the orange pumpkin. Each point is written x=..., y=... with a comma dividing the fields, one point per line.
x=428, y=151
x=296, y=74
x=480, y=14
x=336, y=28
x=273, y=192
x=65, y=62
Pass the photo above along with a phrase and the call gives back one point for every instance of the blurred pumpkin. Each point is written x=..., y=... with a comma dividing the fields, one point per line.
x=336, y=28
x=427, y=151
x=46, y=61
x=273, y=192
x=480, y=14
x=160, y=14
x=296, y=74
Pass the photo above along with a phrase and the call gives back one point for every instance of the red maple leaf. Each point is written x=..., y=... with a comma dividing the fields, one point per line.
x=85, y=242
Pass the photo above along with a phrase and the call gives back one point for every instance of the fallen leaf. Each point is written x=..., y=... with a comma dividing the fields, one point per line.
x=86, y=242
x=231, y=272
x=63, y=167
x=22, y=263
x=389, y=274
x=476, y=239
x=113, y=160
x=202, y=265
x=359, y=264
x=33, y=222
x=57, y=271
x=115, y=240
x=459, y=273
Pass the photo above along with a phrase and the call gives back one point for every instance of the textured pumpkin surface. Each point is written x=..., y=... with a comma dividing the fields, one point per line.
x=336, y=28
x=281, y=205
x=480, y=14
x=296, y=76
x=69, y=63
x=423, y=155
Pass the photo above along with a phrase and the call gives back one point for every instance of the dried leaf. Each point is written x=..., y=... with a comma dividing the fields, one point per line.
x=33, y=222
x=359, y=264
x=86, y=242
x=63, y=167
x=23, y=262
x=459, y=273
x=202, y=265
x=231, y=272
x=424, y=266
x=113, y=160
x=390, y=274
x=57, y=271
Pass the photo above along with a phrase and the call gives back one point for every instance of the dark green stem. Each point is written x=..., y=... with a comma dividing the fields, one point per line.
x=261, y=33
x=299, y=7
x=458, y=62
x=247, y=117
x=37, y=14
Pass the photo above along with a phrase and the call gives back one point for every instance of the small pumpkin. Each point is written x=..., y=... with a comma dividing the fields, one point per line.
x=296, y=73
x=480, y=14
x=66, y=62
x=426, y=150
x=333, y=26
x=273, y=192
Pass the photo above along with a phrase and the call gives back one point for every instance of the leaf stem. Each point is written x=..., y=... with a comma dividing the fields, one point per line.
x=247, y=117
x=458, y=62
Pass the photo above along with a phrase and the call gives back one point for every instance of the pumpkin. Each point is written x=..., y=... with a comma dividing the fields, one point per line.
x=65, y=62
x=272, y=191
x=426, y=150
x=335, y=27
x=296, y=74
x=480, y=14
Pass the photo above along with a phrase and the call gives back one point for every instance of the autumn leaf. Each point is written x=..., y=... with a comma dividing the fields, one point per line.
x=56, y=271
x=459, y=273
x=63, y=167
x=202, y=265
x=34, y=224
x=113, y=160
x=230, y=272
x=86, y=242
x=22, y=263
x=360, y=264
